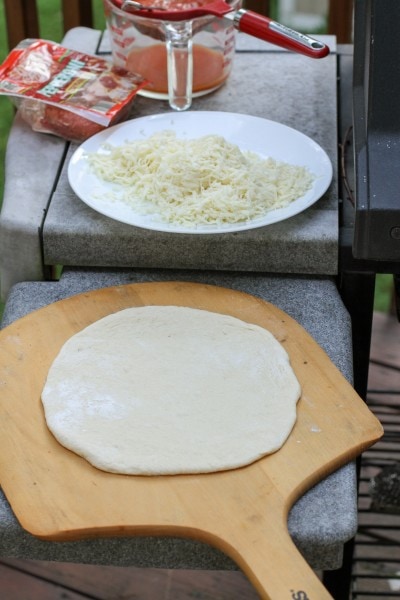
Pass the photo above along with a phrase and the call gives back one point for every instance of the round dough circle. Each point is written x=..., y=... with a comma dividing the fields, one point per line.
x=160, y=390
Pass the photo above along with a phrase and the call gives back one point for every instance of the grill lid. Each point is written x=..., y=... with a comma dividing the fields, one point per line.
x=376, y=108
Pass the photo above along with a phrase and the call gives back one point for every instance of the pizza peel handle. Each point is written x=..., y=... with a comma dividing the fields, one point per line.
x=57, y=495
x=249, y=523
x=275, y=567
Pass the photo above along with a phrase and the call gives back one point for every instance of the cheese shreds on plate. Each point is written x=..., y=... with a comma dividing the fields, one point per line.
x=200, y=181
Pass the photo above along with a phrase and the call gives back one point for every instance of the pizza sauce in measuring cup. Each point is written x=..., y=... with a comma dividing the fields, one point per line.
x=201, y=56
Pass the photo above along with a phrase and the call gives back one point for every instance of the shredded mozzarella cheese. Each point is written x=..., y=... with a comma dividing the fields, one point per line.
x=200, y=181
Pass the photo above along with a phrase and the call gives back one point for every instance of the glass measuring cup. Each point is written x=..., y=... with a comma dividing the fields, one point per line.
x=181, y=59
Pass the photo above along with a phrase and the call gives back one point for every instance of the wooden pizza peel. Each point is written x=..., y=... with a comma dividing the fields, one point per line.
x=57, y=495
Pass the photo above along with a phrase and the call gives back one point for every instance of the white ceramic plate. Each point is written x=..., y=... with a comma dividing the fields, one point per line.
x=266, y=138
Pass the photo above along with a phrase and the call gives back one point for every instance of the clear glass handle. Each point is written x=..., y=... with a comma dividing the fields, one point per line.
x=179, y=63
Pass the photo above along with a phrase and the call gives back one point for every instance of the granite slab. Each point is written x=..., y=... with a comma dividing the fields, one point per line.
x=320, y=522
x=280, y=86
x=31, y=169
x=266, y=82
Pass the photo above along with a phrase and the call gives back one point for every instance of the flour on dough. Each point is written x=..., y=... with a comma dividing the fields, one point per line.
x=159, y=390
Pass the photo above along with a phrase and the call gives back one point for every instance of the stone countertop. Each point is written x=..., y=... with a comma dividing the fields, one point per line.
x=319, y=522
x=39, y=228
x=277, y=85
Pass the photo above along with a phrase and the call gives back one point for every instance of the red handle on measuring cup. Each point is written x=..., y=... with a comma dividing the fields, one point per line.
x=268, y=30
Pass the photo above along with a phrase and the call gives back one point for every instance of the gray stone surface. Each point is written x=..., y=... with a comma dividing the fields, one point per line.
x=31, y=170
x=265, y=82
x=32, y=163
x=319, y=522
x=280, y=86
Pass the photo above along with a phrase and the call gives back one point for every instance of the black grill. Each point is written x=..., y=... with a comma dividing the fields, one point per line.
x=376, y=105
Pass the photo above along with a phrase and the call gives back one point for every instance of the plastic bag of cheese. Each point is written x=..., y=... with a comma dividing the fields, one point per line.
x=64, y=92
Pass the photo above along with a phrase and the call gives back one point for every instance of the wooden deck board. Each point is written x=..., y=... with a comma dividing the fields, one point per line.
x=114, y=583
x=376, y=567
x=17, y=585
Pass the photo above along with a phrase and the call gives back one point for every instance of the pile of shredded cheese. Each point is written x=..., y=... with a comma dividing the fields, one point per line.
x=200, y=181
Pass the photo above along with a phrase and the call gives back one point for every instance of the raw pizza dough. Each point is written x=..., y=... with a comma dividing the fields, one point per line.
x=167, y=390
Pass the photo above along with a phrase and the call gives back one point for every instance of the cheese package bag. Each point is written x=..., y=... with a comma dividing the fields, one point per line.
x=64, y=92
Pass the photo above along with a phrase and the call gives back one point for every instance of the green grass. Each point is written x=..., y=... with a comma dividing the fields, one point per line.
x=383, y=293
x=51, y=28
x=6, y=110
